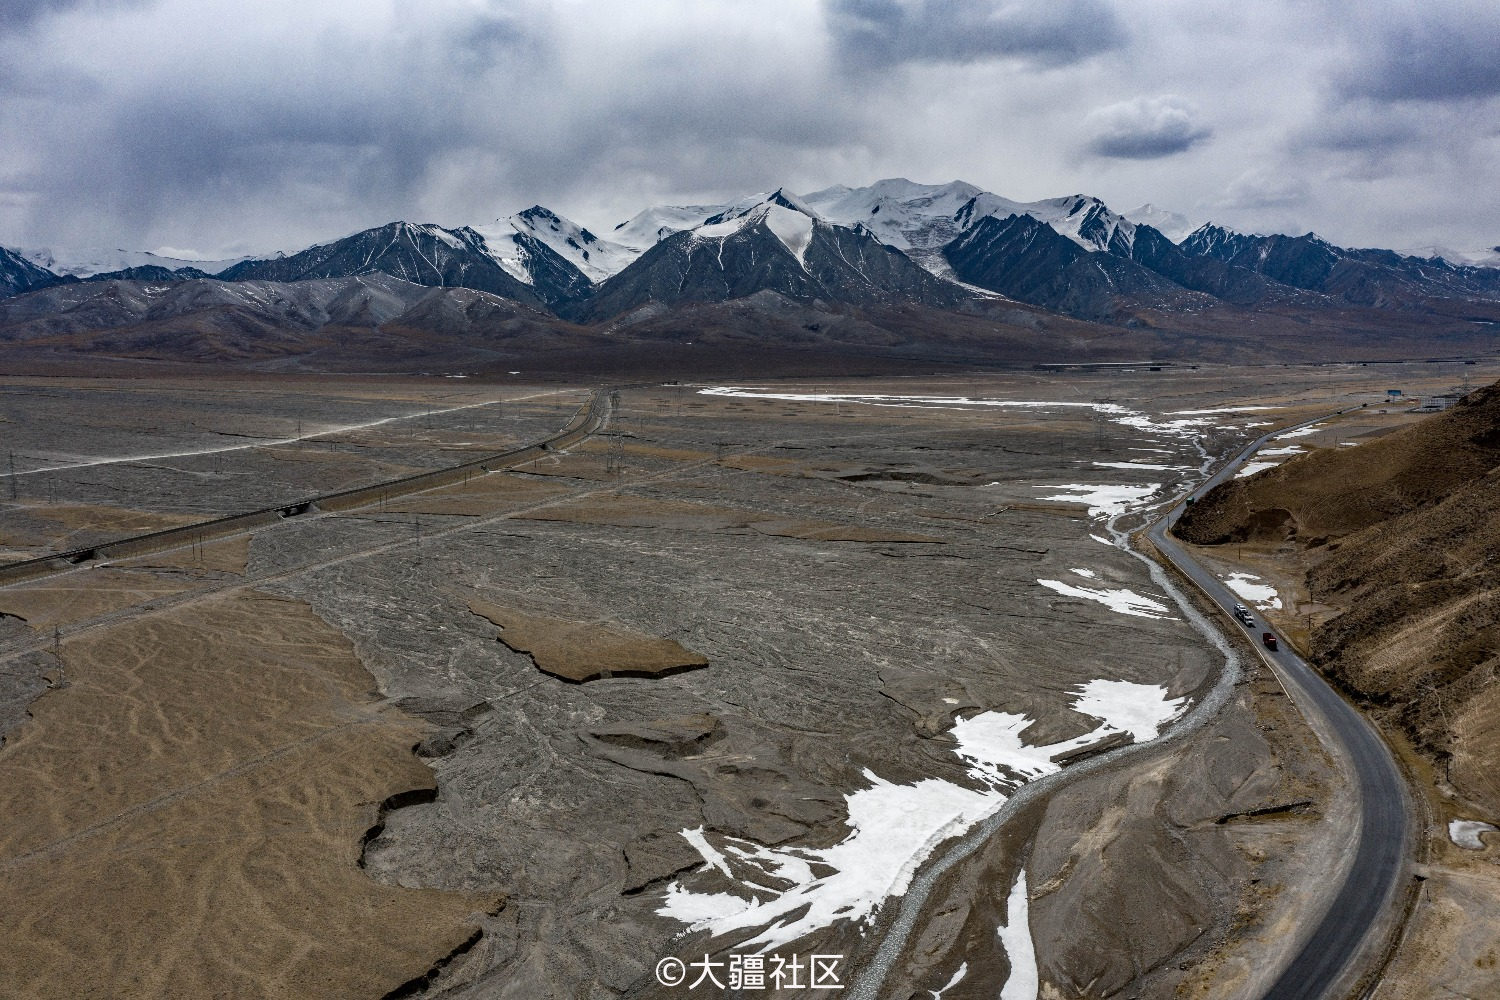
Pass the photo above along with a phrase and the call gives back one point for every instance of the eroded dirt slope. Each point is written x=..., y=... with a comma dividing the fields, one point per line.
x=185, y=817
x=1400, y=535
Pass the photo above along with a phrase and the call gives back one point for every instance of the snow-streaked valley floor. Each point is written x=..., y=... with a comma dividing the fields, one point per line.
x=949, y=728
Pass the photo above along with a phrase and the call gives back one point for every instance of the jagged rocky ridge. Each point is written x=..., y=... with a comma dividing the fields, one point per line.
x=892, y=243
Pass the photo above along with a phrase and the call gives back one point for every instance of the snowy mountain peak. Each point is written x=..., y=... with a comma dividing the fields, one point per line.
x=921, y=218
x=509, y=241
x=783, y=198
x=84, y=263
x=650, y=226
x=1173, y=225
x=793, y=226
x=1456, y=258
x=1209, y=237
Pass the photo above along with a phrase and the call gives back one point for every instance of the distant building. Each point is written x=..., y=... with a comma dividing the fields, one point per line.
x=1440, y=402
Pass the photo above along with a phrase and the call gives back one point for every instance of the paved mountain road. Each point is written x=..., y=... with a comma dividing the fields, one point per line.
x=1329, y=962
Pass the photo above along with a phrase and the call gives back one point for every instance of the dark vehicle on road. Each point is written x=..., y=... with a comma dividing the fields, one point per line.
x=1269, y=640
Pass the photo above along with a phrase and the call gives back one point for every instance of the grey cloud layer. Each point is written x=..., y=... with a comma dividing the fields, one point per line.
x=880, y=33
x=1146, y=128
x=1439, y=52
x=231, y=127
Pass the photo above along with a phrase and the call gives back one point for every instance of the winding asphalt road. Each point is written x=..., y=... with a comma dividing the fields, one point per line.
x=1373, y=884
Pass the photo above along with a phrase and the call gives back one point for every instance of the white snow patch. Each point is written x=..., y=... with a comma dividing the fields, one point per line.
x=1291, y=449
x=698, y=907
x=1102, y=500
x=1145, y=466
x=655, y=224
x=1251, y=468
x=958, y=977
x=84, y=263
x=1182, y=427
x=1299, y=432
x=1101, y=538
x=1015, y=938
x=894, y=828
x=701, y=845
x=793, y=229
x=1262, y=595
x=1087, y=574
x=1126, y=602
x=1466, y=833
x=1138, y=709
x=719, y=230
x=1173, y=225
x=872, y=399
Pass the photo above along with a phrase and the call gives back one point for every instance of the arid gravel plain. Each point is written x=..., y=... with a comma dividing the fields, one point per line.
x=761, y=671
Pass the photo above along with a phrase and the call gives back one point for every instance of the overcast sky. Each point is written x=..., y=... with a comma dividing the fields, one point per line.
x=222, y=127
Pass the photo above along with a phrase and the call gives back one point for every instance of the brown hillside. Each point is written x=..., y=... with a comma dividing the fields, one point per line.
x=1329, y=493
x=1403, y=535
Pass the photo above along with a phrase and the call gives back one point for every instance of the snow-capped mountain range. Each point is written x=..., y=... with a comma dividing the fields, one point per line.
x=889, y=243
x=85, y=263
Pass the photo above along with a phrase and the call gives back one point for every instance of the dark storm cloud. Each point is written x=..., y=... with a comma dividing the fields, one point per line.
x=451, y=119
x=347, y=120
x=884, y=33
x=1145, y=129
x=1437, y=52
x=229, y=127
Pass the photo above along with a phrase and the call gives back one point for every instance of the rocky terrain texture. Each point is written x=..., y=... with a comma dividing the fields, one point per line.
x=859, y=577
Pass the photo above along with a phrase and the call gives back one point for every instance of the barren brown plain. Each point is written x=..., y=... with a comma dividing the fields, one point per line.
x=205, y=738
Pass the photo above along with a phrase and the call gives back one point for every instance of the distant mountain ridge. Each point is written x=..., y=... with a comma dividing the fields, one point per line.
x=893, y=243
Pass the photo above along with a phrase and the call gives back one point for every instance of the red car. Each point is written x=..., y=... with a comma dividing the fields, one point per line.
x=1268, y=639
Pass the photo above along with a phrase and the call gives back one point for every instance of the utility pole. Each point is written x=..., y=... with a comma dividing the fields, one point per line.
x=62, y=677
x=614, y=459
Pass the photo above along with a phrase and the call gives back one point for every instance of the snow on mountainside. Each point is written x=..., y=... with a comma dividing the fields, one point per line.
x=424, y=254
x=792, y=227
x=773, y=245
x=84, y=263
x=922, y=218
x=916, y=218
x=1458, y=258
x=1173, y=225
x=1209, y=240
x=649, y=227
x=19, y=275
x=595, y=258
